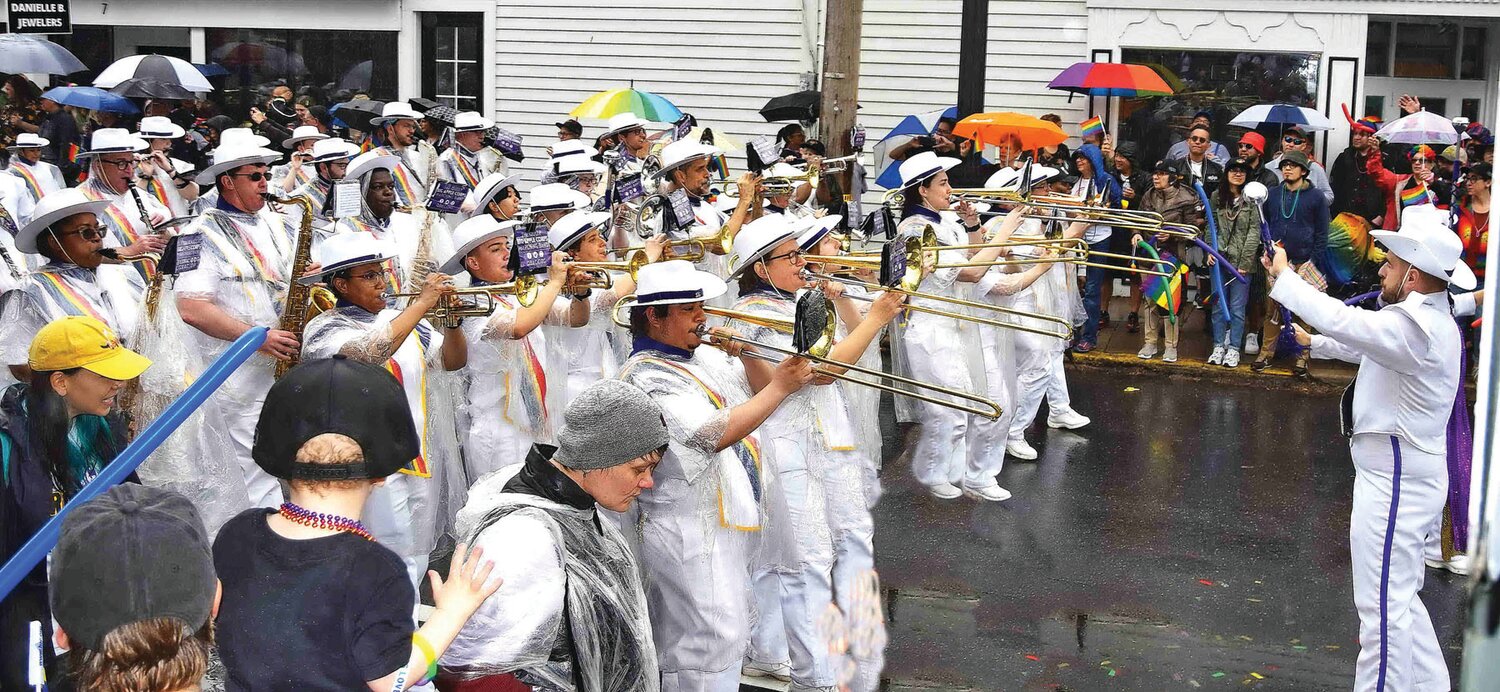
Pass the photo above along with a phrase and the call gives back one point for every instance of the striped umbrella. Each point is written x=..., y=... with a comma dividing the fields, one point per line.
x=645, y=104
x=1110, y=79
x=1284, y=115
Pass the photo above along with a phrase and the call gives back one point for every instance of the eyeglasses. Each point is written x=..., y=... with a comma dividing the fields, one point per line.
x=371, y=276
x=1197, y=140
x=119, y=164
x=1296, y=141
x=254, y=177
x=794, y=257
x=89, y=233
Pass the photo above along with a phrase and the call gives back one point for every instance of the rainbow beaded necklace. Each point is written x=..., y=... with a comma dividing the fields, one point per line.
x=319, y=520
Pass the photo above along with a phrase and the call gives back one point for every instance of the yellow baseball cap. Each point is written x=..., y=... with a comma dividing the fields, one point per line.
x=84, y=342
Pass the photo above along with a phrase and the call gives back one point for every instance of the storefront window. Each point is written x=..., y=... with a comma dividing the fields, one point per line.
x=1222, y=82
x=328, y=66
x=1425, y=50
x=1378, y=50
x=1471, y=62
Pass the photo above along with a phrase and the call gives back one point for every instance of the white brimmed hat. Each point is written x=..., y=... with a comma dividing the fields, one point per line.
x=1010, y=178
x=674, y=282
x=571, y=228
x=333, y=149
x=781, y=169
x=29, y=140
x=485, y=191
x=572, y=147
x=473, y=233
x=242, y=136
x=158, y=127
x=557, y=197
x=923, y=166
x=395, y=110
x=113, y=140
x=1428, y=244
x=230, y=157
x=621, y=122
x=52, y=208
x=578, y=165
x=679, y=153
x=757, y=239
x=470, y=121
x=341, y=251
x=302, y=134
x=369, y=161
x=813, y=230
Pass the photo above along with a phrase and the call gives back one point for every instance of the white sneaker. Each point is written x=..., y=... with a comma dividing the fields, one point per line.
x=1458, y=564
x=1020, y=450
x=756, y=669
x=1070, y=419
x=1231, y=358
x=993, y=493
x=1146, y=352
x=1252, y=344
x=1169, y=355
x=944, y=491
x=1217, y=357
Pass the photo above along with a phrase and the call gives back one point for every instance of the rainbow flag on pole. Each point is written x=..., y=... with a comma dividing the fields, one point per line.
x=1092, y=127
x=1414, y=195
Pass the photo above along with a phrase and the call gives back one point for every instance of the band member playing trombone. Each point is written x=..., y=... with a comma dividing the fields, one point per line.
x=700, y=522
x=404, y=512
x=509, y=403
x=818, y=464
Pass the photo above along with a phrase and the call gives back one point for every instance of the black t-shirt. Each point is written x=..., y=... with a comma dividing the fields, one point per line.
x=326, y=613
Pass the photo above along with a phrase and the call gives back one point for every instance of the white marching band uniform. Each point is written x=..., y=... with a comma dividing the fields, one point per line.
x=126, y=283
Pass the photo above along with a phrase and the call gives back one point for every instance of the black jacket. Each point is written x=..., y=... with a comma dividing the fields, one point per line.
x=1354, y=191
x=1213, y=174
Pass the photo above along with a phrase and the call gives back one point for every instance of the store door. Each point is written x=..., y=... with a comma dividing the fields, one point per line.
x=452, y=73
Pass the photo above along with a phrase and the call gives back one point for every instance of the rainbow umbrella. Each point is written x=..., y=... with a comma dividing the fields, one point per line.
x=1110, y=79
x=613, y=102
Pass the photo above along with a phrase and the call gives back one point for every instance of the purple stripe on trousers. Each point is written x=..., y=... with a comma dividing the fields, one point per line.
x=1385, y=563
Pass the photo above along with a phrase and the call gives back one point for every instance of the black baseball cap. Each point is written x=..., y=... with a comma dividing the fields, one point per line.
x=1241, y=163
x=571, y=125
x=134, y=553
x=1166, y=166
x=336, y=395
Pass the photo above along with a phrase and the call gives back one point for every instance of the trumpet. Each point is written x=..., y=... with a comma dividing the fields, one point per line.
x=525, y=288
x=699, y=253
x=815, y=327
x=838, y=165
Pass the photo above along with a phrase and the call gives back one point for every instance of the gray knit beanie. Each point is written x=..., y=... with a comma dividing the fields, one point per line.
x=610, y=423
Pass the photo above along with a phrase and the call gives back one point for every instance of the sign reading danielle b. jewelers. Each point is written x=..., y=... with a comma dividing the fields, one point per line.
x=54, y=17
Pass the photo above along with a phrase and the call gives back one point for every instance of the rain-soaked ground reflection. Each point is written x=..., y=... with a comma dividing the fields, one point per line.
x=1194, y=536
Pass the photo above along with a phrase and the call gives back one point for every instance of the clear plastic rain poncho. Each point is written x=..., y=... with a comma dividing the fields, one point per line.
x=507, y=375
x=572, y=589
x=959, y=337
x=438, y=484
x=581, y=355
x=864, y=405
x=198, y=459
x=1055, y=293
x=401, y=236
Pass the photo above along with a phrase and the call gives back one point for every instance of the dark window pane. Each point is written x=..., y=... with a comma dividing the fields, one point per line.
x=1470, y=110
x=443, y=38
x=446, y=84
x=1374, y=105
x=1471, y=62
x=468, y=42
x=327, y=66
x=1434, y=105
x=1378, y=49
x=1425, y=50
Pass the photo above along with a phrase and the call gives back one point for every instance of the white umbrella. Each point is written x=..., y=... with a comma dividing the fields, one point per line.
x=22, y=53
x=1420, y=127
x=156, y=68
x=1284, y=115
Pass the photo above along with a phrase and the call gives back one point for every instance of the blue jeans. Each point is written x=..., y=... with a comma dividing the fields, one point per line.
x=1231, y=332
x=1093, y=283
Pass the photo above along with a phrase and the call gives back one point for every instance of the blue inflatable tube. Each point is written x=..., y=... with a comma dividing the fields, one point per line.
x=1219, y=261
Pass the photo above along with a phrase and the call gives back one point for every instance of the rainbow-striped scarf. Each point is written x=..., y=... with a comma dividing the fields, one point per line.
x=23, y=171
x=66, y=296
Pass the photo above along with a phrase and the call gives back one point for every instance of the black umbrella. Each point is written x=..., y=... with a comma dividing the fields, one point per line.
x=152, y=89
x=801, y=106
x=358, y=113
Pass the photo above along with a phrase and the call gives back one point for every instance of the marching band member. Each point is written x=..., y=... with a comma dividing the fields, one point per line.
x=581, y=174
x=583, y=355
x=935, y=348
x=698, y=524
x=562, y=151
x=65, y=230
x=299, y=169
x=16, y=208
x=230, y=138
x=400, y=231
x=469, y=161
x=239, y=283
x=415, y=158
x=497, y=196
x=634, y=145
x=329, y=159
x=40, y=178
x=817, y=462
x=684, y=166
x=552, y=201
x=509, y=402
x=1396, y=414
x=403, y=514
x=164, y=178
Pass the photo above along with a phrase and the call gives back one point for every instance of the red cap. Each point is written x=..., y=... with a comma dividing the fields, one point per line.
x=1254, y=139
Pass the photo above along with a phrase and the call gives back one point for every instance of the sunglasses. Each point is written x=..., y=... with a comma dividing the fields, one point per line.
x=1245, y=145
x=89, y=233
x=254, y=177
x=1293, y=140
x=1421, y=161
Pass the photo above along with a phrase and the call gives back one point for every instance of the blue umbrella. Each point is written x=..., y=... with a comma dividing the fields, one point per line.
x=918, y=125
x=92, y=98
x=1283, y=115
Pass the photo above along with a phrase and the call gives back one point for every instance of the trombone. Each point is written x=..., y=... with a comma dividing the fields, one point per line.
x=1074, y=209
x=812, y=307
x=928, y=241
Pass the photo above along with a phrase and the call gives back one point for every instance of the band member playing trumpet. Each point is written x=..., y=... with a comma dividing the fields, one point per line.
x=818, y=465
x=698, y=525
x=404, y=512
x=509, y=403
x=583, y=355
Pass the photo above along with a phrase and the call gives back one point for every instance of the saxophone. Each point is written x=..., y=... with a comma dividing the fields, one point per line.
x=299, y=305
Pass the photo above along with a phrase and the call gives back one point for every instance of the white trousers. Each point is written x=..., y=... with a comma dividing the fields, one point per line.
x=1398, y=492
x=940, y=454
x=241, y=406
x=391, y=516
x=1040, y=372
x=986, y=438
x=698, y=593
x=494, y=444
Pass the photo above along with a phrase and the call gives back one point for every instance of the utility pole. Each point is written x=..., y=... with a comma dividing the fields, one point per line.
x=972, y=51
x=843, y=27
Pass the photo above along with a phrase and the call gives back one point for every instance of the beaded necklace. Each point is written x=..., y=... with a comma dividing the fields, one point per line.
x=319, y=520
x=1287, y=213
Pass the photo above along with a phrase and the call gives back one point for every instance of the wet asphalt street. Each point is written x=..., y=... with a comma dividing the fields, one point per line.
x=1195, y=536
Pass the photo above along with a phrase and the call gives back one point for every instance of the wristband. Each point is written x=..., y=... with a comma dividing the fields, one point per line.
x=422, y=645
x=585, y=295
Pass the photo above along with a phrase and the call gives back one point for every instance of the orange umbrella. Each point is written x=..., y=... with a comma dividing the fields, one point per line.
x=997, y=128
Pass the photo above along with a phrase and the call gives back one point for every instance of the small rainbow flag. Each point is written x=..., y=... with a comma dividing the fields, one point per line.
x=1093, y=126
x=1414, y=195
